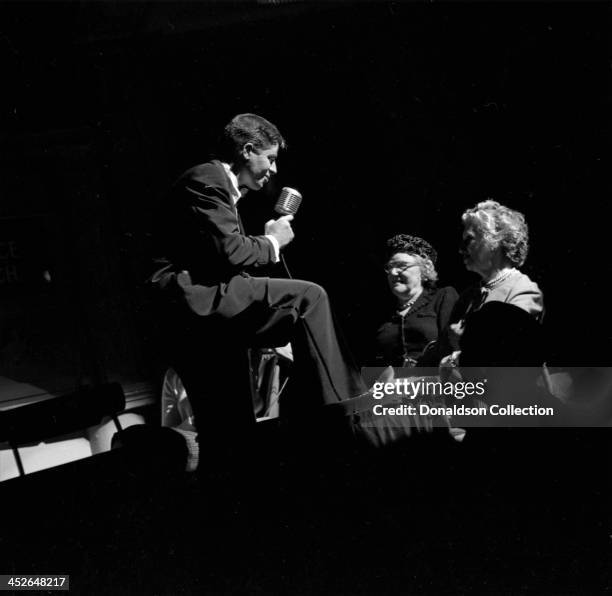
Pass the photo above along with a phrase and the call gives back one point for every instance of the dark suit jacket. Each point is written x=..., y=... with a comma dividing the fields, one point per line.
x=202, y=250
x=422, y=324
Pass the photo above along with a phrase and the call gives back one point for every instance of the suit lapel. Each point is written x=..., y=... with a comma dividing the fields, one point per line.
x=228, y=185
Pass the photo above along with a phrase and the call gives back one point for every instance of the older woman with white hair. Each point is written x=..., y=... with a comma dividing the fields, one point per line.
x=495, y=244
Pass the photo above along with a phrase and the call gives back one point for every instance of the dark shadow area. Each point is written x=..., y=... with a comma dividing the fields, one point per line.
x=506, y=512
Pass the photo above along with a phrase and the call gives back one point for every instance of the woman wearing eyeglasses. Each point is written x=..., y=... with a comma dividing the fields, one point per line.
x=421, y=310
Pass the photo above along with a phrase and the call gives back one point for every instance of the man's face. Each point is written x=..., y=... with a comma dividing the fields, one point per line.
x=259, y=165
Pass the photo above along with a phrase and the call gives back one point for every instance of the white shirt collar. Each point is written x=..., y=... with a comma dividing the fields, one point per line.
x=235, y=192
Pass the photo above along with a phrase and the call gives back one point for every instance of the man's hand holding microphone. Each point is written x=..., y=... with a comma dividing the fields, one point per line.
x=281, y=230
x=287, y=205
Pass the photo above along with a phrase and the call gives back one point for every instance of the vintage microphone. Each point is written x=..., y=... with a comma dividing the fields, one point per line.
x=288, y=203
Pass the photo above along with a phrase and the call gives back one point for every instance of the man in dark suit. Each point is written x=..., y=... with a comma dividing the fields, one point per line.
x=213, y=309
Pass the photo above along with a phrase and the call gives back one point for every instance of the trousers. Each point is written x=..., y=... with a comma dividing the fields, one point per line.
x=210, y=355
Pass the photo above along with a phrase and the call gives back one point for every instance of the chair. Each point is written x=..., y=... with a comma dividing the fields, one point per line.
x=268, y=377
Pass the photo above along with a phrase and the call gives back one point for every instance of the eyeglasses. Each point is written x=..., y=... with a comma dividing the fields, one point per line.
x=399, y=267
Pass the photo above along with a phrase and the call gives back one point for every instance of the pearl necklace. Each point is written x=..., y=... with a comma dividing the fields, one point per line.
x=498, y=279
x=408, y=304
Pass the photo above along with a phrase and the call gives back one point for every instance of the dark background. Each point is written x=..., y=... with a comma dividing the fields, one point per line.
x=399, y=115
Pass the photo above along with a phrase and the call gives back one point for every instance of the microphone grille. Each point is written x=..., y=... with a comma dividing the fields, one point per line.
x=288, y=201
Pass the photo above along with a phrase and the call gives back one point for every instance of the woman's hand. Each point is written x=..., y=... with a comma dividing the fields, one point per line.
x=448, y=368
x=455, y=331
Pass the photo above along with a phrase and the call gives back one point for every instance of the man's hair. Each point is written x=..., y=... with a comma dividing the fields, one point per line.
x=248, y=128
x=501, y=226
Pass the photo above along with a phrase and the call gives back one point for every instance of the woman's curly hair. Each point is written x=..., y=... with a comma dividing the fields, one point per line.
x=501, y=227
x=425, y=253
